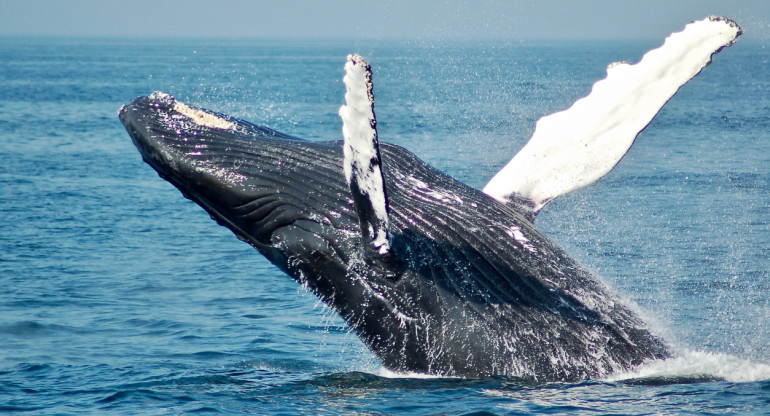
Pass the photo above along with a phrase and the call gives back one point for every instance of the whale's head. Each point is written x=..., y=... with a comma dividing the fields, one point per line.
x=274, y=191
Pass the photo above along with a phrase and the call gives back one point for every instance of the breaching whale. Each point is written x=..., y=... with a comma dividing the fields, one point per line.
x=434, y=276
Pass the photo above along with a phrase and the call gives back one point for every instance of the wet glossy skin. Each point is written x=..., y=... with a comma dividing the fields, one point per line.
x=478, y=291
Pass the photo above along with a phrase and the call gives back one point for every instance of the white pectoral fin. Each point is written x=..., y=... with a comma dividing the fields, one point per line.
x=363, y=168
x=575, y=147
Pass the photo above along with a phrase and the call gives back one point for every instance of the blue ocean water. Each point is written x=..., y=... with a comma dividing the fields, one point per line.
x=119, y=296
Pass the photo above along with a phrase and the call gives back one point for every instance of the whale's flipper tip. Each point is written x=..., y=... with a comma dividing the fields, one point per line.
x=731, y=24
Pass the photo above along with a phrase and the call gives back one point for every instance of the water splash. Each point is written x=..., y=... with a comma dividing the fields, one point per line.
x=700, y=365
x=385, y=373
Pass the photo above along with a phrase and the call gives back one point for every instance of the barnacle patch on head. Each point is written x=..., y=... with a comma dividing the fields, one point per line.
x=203, y=118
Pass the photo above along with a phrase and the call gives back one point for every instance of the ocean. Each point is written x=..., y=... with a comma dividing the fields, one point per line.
x=119, y=296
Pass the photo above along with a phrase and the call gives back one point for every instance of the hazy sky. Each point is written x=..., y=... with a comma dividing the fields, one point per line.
x=345, y=19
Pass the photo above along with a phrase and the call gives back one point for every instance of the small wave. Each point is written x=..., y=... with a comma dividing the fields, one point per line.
x=694, y=366
x=34, y=328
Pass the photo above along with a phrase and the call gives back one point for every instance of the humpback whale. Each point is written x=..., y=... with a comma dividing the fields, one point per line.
x=434, y=276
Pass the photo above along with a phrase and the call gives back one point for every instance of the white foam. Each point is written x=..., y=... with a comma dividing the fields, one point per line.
x=700, y=364
x=691, y=364
x=384, y=372
x=575, y=147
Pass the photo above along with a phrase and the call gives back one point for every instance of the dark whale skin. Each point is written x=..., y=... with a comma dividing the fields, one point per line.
x=479, y=291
